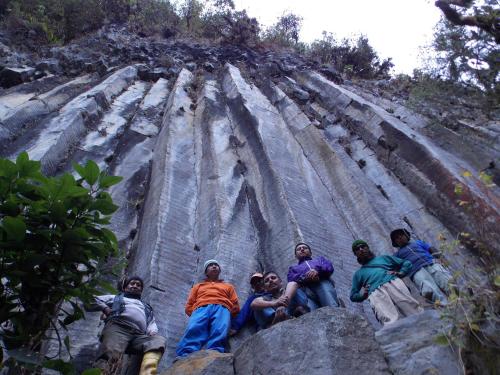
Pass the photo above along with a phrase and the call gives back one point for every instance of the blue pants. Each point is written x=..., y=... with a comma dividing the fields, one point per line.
x=207, y=325
x=321, y=294
x=265, y=316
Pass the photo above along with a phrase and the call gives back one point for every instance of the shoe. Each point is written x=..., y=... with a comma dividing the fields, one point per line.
x=149, y=365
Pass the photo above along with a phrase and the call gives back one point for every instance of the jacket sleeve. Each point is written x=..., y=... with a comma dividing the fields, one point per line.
x=325, y=267
x=244, y=314
x=293, y=275
x=100, y=303
x=193, y=294
x=356, y=287
x=404, y=266
x=235, y=304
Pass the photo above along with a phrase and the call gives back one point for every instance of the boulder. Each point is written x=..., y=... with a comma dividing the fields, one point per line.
x=204, y=362
x=11, y=76
x=410, y=347
x=325, y=341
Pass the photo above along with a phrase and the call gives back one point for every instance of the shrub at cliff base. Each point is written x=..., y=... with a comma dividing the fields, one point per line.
x=52, y=242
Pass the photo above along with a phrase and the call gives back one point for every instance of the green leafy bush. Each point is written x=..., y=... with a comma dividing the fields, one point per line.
x=52, y=240
x=353, y=57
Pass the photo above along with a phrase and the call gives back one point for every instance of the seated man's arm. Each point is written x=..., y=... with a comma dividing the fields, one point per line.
x=260, y=304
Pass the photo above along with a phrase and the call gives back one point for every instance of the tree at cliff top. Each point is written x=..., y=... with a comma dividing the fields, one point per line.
x=53, y=239
x=353, y=57
x=285, y=32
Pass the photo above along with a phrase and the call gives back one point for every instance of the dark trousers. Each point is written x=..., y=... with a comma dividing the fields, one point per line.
x=117, y=339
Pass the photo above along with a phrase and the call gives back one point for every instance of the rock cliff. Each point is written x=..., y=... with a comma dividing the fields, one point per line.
x=234, y=154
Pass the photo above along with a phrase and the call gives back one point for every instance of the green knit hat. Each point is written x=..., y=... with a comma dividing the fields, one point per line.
x=356, y=243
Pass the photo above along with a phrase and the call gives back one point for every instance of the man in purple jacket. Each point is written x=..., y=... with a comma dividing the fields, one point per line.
x=313, y=276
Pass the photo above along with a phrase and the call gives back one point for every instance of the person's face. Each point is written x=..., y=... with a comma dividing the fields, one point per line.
x=401, y=240
x=212, y=271
x=363, y=253
x=272, y=282
x=302, y=252
x=134, y=287
x=257, y=284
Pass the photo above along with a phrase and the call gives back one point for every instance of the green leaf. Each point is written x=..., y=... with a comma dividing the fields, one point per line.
x=441, y=340
x=26, y=167
x=92, y=371
x=80, y=170
x=91, y=172
x=106, y=181
x=105, y=206
x=15, y=228
x=7, y=168
x=65, y=368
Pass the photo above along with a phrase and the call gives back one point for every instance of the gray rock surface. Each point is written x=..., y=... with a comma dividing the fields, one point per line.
x=205, y=362
x=326, y=341
x=409, y=346
x=236, y=161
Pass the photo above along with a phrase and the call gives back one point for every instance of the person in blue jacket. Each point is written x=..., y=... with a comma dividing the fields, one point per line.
x=246, y=315
x=312, y=275
x=429, y=276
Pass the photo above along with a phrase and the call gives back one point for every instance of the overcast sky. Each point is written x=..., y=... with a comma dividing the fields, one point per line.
x=395, y=28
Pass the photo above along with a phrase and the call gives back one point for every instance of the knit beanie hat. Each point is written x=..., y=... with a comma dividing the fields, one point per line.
x=209, y=262
x=356, y=243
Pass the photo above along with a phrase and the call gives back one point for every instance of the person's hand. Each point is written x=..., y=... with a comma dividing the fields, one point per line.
x=312, y=275
x=364, y=291
x=232, y=332
x=395, y=273
x=281, y=301
x=105, y=313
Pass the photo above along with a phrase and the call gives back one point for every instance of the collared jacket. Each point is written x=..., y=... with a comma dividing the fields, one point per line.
x=212, y=293
x=133, y=314
x=298, y=272
x=375, y=273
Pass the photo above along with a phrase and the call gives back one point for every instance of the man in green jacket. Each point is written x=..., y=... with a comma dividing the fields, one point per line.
x=379, y=280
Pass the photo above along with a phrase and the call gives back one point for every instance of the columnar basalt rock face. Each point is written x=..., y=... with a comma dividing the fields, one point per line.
x=225, y=163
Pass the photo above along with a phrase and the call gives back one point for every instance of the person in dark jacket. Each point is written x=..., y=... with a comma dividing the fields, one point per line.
x=246, y=315
x=312, y=275
x=429, y=276
x=130, y=326
x=379, y=280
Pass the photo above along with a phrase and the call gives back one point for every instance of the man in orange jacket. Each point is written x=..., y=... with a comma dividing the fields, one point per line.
x=210, y=305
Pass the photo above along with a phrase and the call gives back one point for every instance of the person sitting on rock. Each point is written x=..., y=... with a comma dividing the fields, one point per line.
x=430, y=277
x=210, y=306
x=313, y=276
x=379, y=280
x=130, y=327
x=246, y=315
x=275, y=306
